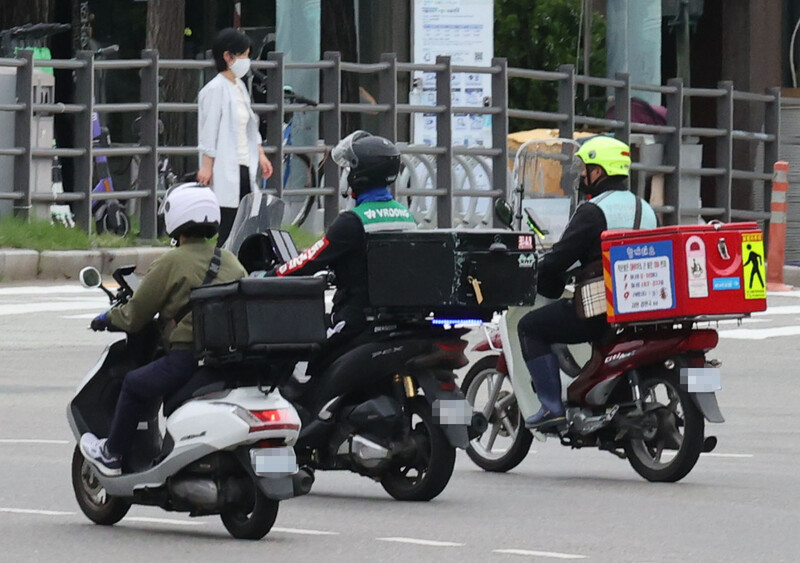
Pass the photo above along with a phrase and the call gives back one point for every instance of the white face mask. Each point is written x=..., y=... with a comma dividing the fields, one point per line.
x=240, y=67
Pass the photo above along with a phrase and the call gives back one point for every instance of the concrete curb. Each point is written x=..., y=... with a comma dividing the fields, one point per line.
x=791, y=275
x=18, y=264
x=22, y=265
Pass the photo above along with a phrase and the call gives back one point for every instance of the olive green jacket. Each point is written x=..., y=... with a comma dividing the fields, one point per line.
x=165, y=289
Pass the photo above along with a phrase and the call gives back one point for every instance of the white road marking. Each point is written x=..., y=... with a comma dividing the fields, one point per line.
x=28, y=308
x=43, y=290
x=303, y=532
x=550, y=554
x=779, y=310
x=81, y=316
x=713, y=454
x=162, y=521
x=30, y=511
x=759, y=333
x=415, y=541
x=14, y=441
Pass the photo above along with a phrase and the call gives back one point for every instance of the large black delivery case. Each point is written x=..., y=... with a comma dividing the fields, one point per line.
x=455, y=273
x=259, y=317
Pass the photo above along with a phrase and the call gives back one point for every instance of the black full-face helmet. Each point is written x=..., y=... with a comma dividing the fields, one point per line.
x=373, y=161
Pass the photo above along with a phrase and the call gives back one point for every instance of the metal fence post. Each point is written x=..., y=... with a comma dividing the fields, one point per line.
x=82, y=135
x=772, y=126
x=566, y=129
x=725, y=148
x=566, y=102
x=274, y=121
x=500, y=130
x=387, y=94
x=23, y=120
x=672, y=152
x=444, y=139
x=332, y=130
x=148, y=135
x=622, y=107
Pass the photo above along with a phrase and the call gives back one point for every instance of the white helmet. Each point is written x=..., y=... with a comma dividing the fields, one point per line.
x=188, y=205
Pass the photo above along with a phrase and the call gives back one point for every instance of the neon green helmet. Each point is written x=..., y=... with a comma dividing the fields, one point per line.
x=608, y=153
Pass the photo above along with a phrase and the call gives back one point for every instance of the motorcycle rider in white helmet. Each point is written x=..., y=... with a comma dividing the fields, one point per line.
x=192, y=215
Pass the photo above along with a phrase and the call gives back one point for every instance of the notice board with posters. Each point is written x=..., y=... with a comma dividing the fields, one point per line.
x=464, y=31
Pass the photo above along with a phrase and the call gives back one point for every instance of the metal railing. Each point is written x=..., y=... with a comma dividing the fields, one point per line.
x=442, y=157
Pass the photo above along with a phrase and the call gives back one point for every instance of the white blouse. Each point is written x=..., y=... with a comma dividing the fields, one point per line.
x=218, y=135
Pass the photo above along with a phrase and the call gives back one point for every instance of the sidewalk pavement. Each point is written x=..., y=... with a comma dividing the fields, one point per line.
x=24, y=265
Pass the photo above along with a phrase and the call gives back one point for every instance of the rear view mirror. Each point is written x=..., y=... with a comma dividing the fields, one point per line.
x=90, y=277
x=504, y=212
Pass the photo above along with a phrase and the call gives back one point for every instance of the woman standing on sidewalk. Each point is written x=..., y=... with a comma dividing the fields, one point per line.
x=228, y=137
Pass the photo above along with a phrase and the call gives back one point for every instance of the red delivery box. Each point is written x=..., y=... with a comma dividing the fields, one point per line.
x=684, y=272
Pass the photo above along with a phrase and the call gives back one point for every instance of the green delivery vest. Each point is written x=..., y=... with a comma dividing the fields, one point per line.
x=385, y=216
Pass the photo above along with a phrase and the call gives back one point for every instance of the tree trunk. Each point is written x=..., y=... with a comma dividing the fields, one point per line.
x=166, y=20
x=339, y=34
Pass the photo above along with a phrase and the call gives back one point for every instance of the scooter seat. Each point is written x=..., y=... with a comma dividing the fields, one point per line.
x=205, y=380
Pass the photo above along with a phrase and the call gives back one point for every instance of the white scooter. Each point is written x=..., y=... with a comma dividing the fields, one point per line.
x=227, y=448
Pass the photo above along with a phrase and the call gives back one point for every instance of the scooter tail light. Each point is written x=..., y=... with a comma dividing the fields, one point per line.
x=270, y=419
x=700, y=340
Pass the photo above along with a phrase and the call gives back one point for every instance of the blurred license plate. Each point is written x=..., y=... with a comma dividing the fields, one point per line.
x=701, y=380
x=271, y=461
x=453, y=411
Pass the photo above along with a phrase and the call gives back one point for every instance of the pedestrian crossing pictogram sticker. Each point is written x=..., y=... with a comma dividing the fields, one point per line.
x=753, y=267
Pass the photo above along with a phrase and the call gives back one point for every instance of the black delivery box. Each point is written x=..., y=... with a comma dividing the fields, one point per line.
x=259, y=318
x=452, y=273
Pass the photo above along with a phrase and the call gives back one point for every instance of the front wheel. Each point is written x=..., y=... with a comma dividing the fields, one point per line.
x=98, y=506
x=252, y=524
x=426, y=473
x=672, y=430
x=506, y=441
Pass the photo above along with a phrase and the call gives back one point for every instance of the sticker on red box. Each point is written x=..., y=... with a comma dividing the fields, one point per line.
x=643, y=277
x=696, y=267
x=753, y=266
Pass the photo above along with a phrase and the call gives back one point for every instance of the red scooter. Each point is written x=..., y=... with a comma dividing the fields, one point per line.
x=644, y=395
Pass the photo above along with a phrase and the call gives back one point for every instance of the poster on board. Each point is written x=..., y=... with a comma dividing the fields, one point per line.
x=464, y=31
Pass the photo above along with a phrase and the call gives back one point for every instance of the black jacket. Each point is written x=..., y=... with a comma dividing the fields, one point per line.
x=579, y=243
x=343, y=249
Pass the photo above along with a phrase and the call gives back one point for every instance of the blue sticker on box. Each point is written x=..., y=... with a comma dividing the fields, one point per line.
x=643, y=277
x=722, y=284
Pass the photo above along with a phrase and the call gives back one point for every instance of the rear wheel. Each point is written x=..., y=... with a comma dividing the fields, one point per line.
x=673, y=431
x=98, y=506
x=506, y=441
x=426, y=473
x=255, y=522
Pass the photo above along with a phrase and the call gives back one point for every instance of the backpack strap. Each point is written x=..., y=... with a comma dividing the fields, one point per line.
x=211, y=273
x=637, y=219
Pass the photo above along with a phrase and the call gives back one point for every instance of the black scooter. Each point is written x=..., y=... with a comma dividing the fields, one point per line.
x=388, y=407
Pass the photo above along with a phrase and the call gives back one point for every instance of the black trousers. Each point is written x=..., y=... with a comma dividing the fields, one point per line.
x=143, y=389
x=228, y=214
x=556, y=323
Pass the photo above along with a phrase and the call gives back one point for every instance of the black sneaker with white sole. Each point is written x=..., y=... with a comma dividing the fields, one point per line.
x=95, y=452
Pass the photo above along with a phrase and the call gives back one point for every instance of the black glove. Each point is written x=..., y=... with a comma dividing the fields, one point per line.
x=100, y=323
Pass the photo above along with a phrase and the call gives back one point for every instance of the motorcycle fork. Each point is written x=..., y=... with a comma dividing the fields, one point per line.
x=405, y=388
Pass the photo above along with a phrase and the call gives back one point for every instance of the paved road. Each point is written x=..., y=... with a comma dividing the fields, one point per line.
x=739, y=504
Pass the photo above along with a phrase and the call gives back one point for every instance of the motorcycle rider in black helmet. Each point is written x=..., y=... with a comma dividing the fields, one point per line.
x=374, y=163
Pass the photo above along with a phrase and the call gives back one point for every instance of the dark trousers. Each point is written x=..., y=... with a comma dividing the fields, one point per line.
x=556, y=323
x=143, y=389
x=228, y=214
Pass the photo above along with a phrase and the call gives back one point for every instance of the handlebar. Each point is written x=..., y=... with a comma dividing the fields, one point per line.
x=106, y=50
